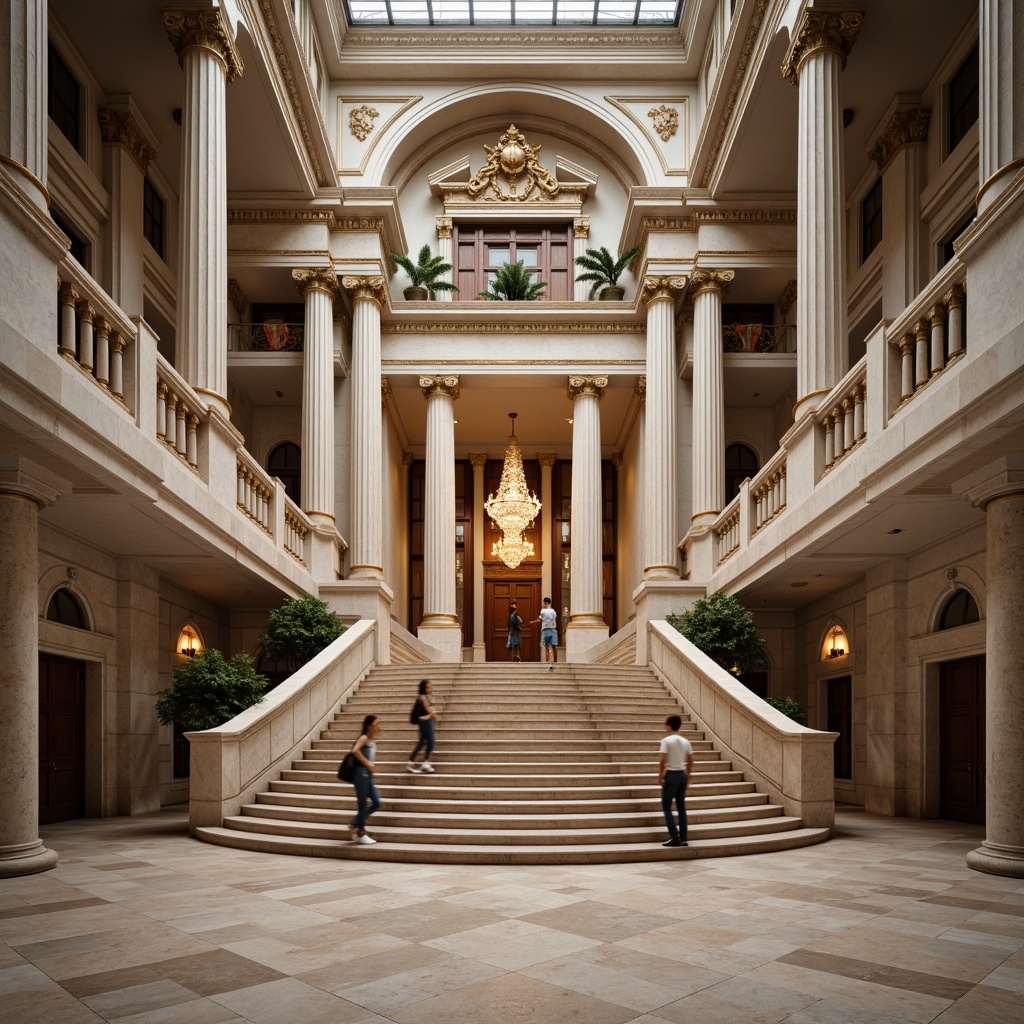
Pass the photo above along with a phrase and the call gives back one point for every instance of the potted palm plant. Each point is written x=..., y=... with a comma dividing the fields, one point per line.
x=513, y=283
x=603, y=269
x=425, y=274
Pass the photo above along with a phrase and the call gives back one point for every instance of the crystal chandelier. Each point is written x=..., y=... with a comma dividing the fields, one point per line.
x=513, y=508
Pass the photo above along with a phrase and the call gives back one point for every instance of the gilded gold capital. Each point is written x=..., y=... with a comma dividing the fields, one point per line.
x=444, y=227
x=119, y=128
x=547, y=460
x=585, y=385
x=322, y=279
x=443, y=385
x=819, y=29
x=478, y=460
x=662, y=288
x=204, y=28
x=368, y=288
x=904, y=128
x=581, y=227
x=710, y=280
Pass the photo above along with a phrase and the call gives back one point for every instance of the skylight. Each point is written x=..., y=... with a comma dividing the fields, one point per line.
x=608, y=13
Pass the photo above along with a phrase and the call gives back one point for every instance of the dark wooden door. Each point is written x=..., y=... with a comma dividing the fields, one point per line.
x=962, y=740
x=498, y=595
x=61, y=739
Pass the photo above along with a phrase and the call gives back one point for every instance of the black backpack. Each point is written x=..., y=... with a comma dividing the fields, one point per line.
x=417, y=710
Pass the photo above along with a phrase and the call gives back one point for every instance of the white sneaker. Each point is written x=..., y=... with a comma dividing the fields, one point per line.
x=414, y=771
x=427, y=767
x=365, y=841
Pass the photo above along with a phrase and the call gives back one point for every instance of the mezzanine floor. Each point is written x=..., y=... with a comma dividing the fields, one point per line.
x=139, y=923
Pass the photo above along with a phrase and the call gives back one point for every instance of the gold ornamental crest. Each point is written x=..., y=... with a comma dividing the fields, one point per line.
x=511, y=159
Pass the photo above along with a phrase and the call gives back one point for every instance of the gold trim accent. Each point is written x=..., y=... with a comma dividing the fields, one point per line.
x=215, y=394
x=670, y=287
x=319, y=512
x=1013, y=165
x=666, y=121
x=477, y=460
x=360, y=121
x=787, y=298
x=204, y=28
x=585, y=385
x=368, y=287
x=23, y=170
x=821, y=29
x=447, y=385
x=905, y=127
x=237, y=297
x=507, y=327
x=445, y=226
x=710, y=279
x=322, y=279
x=119, y=128
x=547, y=460
x=706, y=512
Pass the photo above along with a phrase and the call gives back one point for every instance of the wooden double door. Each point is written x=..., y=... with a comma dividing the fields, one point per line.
x=61, y=739
x=962, y=740
x=498, y=596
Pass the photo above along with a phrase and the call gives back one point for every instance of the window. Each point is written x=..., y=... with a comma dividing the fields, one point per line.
x=947, y=243
x=871, y=221
x=64, y=97
x=65, y=608
x=959, y=610
x=480, y=252
x=285, y=462
x=740, y=462
x=610, y=13
x=962, y=100
x=153, y=217
x=839, y=698
x=78, y=247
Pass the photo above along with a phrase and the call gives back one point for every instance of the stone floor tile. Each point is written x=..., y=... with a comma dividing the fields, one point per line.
x=428, y=920
x=375, y=967
x=48, y=1004
x=196, y=1011
x=512, y=900
x=291, y=1002
x=734, y=1000
x=512, y=944
x=598, y=921
x=20, y=977
x=1005, y=977
x=985, y=1005
x=134, y=999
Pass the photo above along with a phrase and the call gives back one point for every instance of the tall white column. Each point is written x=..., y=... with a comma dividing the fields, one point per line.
x=319, y=287
x=440, y=625
x=660, y=484
x=478, y=461
x=444, y=250
x=999, y=489
x=23, y=116
x=1001, y=117
x=547, y=522
x=586, y=625
x=202, y=39
x=707, y=288
x=366, y=549
x=24, y=489
x=821, y=42
x=580, y=237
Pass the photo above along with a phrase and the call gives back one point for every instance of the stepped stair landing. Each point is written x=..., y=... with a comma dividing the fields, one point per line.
x=532, y=767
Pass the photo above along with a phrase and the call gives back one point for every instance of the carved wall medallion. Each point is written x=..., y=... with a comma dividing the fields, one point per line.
x=360, y=121
x=666, y=121
x=513, y=172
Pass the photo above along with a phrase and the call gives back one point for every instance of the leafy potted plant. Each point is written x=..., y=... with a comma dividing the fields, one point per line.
x=513, y=283
x=724, y=630
x=425, y=274
x=299, y=630
x=208, y=691
x=603, y=269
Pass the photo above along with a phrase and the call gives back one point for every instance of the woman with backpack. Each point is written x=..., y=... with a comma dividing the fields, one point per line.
x=423, y=715
x=367, y=800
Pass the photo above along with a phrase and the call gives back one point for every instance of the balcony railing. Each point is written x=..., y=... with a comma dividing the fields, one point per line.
x=841, y=418
x=266, y=337
x=179, y=414
x=759, y=338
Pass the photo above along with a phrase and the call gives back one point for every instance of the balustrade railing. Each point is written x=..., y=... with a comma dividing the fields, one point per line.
x=931, y=334
x=768, y=490
x=179, y=414
x=727, y=529
x=841, y=417
x=266, y=337
x=759, y=338
x=93, y=332
x=296, y=526
x=255, y=490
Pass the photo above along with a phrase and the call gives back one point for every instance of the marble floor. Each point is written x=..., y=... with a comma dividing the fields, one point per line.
x=883, y=924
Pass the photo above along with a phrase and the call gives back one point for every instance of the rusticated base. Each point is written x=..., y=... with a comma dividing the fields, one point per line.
x=997, y=860
x=28, y=859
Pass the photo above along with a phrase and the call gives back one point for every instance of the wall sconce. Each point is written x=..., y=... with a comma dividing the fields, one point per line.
x=190, y=643
x=838, y=644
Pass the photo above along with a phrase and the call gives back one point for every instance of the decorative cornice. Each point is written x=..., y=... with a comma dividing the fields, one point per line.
x=119, y=127
x=322, y=279
x=707, y=280
x=503, y=327
x=204, y=28
x=241, y=216
x=368, y=287
x=445, y=227
x=513, y=42
x=744, y=216
x=237, y=298
x=787, y=298
x=547, y=460
x=444, y=385
x=905, y=128
x=581, y=227
x=818, y=29
x=585, y=385
x=671, y=287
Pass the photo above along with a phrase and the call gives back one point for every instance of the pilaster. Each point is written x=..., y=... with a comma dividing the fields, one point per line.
x=547, y=520
x=444, y=250
x=580, y=237
x=478, y=460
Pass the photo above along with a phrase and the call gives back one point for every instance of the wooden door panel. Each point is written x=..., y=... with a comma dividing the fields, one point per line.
x=498, y=595
x=61, y=739
x=962, y=740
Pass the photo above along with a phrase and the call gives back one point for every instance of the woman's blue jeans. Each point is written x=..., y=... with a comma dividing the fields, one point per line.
x=426, y=741
x=365, y=791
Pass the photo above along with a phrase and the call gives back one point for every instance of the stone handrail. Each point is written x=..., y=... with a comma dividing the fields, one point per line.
x=409, y=649
x=94, y=333
x=841, y=415
x=231, y=763
x=296, y=529
x=180, y=414
x=768, y=491
x=727, y=529
x=255, y=490
x=618, y=649
x=791, y=762
x=931, y=333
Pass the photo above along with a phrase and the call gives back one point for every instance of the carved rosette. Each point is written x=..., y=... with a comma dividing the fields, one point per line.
x=905, y=128
x=666, y=121
x=581, y=227
x=702, y=280
x=368, y=288
x=204, y=28
x=582, y=385
x=821, y=29
x=321, y=279
x=360, y=121
x=445, y=227
x=119, y=127
x=442, y=385
x=670, y=288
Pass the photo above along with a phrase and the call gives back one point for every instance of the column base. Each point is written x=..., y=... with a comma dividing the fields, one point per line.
x=581, y=636
x=479, y=652
x=656, y=599
x=364, y=599
x=994, y=859
x=26, y=859
x=445, y=637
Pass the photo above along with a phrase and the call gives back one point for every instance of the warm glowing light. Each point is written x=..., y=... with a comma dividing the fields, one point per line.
x=189, y=641
x=513, y=508
x=836, y=644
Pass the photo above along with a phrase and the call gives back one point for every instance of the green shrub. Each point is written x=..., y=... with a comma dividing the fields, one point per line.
x=724, y=630
x=298, y=631
x=789, y=707
x=208, y=691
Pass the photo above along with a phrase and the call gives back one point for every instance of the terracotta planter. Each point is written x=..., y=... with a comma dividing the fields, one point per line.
x=613, y=293
x=416, y=294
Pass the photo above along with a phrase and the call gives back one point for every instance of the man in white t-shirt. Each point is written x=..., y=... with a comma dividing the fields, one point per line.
x=673, y=771
x=547, y=619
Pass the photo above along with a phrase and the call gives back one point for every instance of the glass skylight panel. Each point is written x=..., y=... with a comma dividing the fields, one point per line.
x=608, y=13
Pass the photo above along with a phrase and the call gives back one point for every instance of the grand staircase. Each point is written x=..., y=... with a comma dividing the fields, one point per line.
x=532, y=767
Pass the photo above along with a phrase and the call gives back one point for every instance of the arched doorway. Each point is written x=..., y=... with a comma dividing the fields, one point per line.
x=285, y=462
x=740, y=462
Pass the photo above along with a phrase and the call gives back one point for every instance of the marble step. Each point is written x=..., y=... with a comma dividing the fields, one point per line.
x=327, y=750
x=450, y=767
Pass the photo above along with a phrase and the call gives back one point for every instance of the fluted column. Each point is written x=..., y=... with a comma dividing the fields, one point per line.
x=444, y=250
x=202, y=39
x=440, y=625
x=318, y=287
x=707, y=288
x=660, y=484
x=821, y=42
x=1001, y=120
x=23, y=120
x=24, y=489
x=366, y=549
x=547, y=522
x=580, y=237
x=478, y=461
x=586, y=624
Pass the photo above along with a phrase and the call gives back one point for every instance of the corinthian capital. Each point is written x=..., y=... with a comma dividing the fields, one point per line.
x=580, y=385
x=904, y=128
x=119, y=127
x=821, y=28
x=204, y=28
x=662, y=288
x=446, y=385
x=702, y=280
x=321, y=279
x=368, y=287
